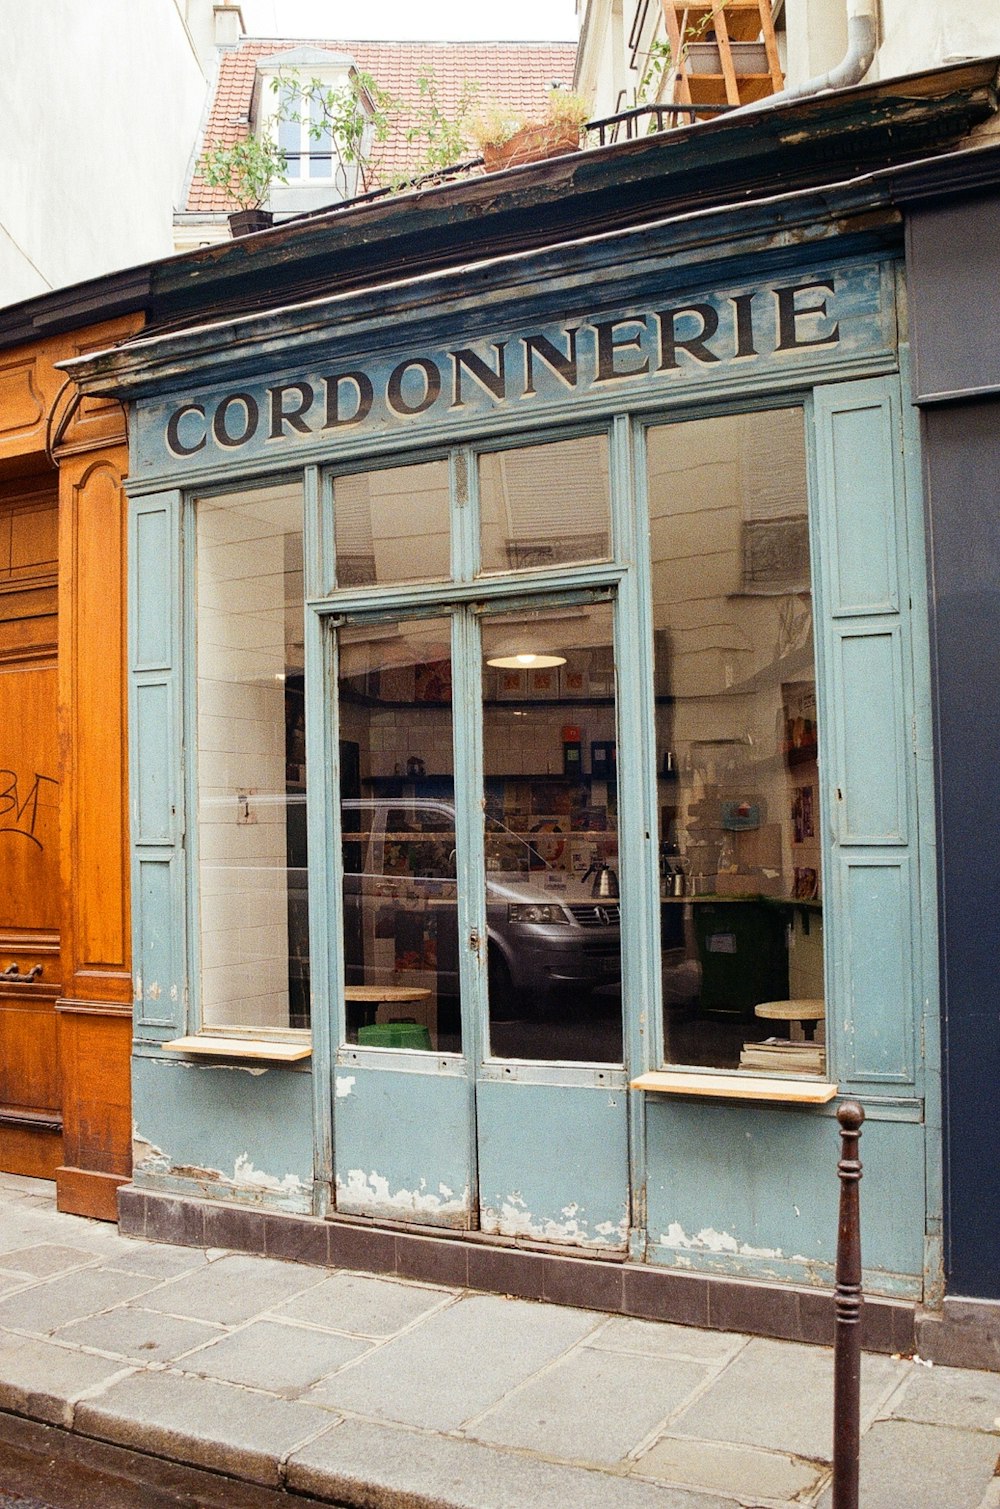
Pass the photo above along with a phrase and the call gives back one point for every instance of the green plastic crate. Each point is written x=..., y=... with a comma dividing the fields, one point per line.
x=397, y=1034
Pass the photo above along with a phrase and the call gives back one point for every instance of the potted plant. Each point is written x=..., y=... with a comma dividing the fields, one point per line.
x=506, y=139
x=245, y=172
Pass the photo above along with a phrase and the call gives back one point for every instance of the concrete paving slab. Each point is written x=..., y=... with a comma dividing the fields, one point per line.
x=42, y=1380
x=474, y=1351
x=28, y=1225
x=382, y=1467
x=283, y=1359
x=591, y=1406
x=23, y=1184
x=153, y=1258
x=364, y=1306
x=745, y=1472
x=139, y=1334
x=779, y=1395
x=950, y=1396
x=204, y=1422
x=233, y=1289
x=46, y=1306
x=991, y=1498
x=905, y=1465
x=45, y=1259
x=657, y=1338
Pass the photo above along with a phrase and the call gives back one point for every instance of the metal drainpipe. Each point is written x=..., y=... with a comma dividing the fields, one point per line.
x=862, y=32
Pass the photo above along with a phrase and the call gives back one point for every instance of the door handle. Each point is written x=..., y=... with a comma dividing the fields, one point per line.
x=13, y=976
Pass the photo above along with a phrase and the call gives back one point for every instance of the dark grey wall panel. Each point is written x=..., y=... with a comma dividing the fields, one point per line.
x=963, y=495
x=953, y=266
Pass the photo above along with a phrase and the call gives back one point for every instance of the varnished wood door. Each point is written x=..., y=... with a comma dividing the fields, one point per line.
x=30, y=1110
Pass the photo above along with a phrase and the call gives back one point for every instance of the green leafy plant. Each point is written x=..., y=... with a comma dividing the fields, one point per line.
x=347, y=118
x=244, y=171
x=443, y=136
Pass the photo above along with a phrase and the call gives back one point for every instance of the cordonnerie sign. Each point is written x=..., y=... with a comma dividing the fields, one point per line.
x=794, y=320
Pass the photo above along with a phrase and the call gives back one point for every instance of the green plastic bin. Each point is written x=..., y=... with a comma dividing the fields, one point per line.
x=404, y=1033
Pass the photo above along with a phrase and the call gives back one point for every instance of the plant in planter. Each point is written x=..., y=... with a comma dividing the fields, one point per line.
x=506, y=139
x=245, y=172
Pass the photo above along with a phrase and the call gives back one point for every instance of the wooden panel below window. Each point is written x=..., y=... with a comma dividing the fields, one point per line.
x=95, y=1049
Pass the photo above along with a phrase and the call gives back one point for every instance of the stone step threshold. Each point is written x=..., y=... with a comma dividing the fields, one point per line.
x=785, y=1312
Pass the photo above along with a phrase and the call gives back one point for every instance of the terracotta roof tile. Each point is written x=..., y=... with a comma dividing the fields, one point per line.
x=514, y=73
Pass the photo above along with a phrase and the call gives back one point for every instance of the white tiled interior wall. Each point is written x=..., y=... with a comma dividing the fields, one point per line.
x=398, y=520
x=248, y=583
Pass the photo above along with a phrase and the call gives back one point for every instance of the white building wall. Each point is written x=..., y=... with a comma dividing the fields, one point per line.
x=100, y=104
x=927, y=33
x=812, y=37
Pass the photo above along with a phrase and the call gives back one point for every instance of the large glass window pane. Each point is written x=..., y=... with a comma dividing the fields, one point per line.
x=251, y=763
x=551, y=814
x=393, y=526
x=740, y=885
x=545, y=505
x=398, y=817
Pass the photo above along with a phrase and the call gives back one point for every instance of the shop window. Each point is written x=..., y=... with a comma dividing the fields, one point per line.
x=393, y=525
x=736, y=722
x=545, y=505
x=250, y=760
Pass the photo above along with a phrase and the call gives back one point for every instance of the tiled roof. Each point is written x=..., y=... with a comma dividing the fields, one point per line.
x=514, y=73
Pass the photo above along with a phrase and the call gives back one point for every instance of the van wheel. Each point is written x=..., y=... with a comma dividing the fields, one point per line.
x=503, y=1001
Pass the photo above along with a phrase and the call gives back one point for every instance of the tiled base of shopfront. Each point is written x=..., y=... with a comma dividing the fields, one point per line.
x=962, y=1333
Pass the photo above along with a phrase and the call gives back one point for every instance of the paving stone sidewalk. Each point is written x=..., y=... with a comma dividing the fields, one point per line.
x=372, y=1391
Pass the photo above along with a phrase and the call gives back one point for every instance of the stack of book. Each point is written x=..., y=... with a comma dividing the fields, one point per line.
x=778, y=1056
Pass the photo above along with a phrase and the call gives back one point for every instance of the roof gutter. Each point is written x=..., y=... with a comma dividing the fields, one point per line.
x=862, y=39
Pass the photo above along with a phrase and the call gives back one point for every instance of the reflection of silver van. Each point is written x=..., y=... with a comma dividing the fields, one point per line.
x=546, y=932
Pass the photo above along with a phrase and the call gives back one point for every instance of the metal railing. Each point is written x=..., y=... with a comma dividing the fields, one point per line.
x=624, y=125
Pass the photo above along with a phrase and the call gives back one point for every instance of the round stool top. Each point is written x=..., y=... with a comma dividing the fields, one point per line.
x=792, y=1011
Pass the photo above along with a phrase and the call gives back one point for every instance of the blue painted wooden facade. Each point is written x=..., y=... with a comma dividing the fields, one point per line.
x=654, y=325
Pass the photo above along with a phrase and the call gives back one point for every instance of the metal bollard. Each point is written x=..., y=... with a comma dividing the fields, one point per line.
x=847, y=1297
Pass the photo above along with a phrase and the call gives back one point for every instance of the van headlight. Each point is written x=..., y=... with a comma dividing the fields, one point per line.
x=535, y=911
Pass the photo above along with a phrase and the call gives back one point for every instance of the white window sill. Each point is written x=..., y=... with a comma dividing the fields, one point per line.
x=805, y=1091
x=208, y=1045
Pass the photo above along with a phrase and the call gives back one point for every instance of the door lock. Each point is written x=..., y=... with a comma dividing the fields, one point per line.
x=474, y=940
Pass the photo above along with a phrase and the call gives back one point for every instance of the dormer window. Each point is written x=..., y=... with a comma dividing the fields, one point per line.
x=300, y=96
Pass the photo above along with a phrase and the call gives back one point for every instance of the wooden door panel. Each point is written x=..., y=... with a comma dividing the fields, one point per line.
x=30, y=903
x=29, y=1051
x=29, y=799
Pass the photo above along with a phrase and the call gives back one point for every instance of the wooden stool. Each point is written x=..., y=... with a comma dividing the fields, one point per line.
x=807, y=1012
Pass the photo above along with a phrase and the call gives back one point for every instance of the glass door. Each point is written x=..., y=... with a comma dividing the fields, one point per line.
x=550, y=1099
x=402, y=1110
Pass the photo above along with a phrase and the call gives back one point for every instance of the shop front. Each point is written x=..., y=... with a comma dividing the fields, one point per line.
x=532, y=812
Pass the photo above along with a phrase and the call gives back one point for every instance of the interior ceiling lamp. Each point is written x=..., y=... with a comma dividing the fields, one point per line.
x=526, y=662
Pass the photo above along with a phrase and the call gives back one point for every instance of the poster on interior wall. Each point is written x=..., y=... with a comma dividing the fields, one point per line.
x=432, y=681
x=550, y=797
x=572, y=682
x=511, y=685
x=803, y=827
x=798, y=702
x=545, y=683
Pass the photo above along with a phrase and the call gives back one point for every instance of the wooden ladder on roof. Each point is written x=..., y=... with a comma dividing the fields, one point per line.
x=723, y=52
